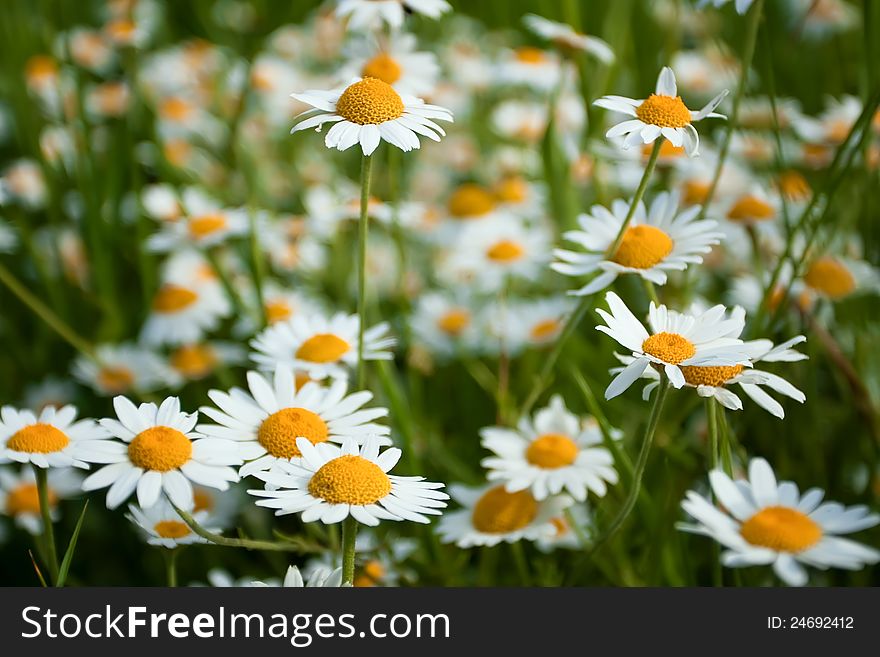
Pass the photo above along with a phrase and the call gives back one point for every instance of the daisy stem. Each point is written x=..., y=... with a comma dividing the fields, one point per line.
x=519, y=556
x=48, y=529
x=40, y=309
x=652, y=291
x=246, y=543
x=582, y=536
x=645, y=449
x=349, y=538
x=724, y=446
x=226, y=282
x=712, y=426
x=754, y=23
x=363, y=226
x=171, y=567
x=640, y=192
x=257, y=265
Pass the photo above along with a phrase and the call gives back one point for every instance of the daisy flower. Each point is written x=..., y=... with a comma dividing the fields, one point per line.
x=662, y=113
x=567, y=38
x=658, y=240
x=164, y=528
x=753, y=207
x=319, y=346
x=397, y=63
x=491, y=514
x=331, y=483
x=552, y=453
x=530, y=323
x=266, y=422
x=19, y=497
x=319, y=577
x=470, y=201
x=205, y=224
x=677, y=340
x=122, y=369
x=368, y=14
x=566, y=536
x=491, y=251
x=445, y=323
x=765, y=522
x=368, y=111
x=530, y=67
x=159, y=453
x=50, y=439
x=836, y=278
x=194, y=362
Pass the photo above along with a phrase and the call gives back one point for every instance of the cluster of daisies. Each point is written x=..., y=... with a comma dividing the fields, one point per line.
x=475, y=258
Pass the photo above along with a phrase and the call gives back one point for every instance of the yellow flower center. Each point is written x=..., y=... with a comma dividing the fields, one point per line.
x=664, y=111
x=177, y=151
x=171, y=529
x=277, y=310
x=382, y=67
x=694, y=192
x=642, y=247
x=782, y=529
x=709, y=376
x=202, y=501
x=454, y=322
x=545, y=329
x=530, y=55
x=175, y=109
x=38, y=438
x=160, y=449
x=500, y=512
x=751, y=208
x=830, y=277
x=173, y=298
x=40, y=67
x=560, y=525
x=279, y=431
x=668, y=150
x=194, y=361
x=470, y=200
x=552, y=450
x=836, y=131
x=371, y=574
x=26, y=499
x=370, y=102
x=323, y=348
x=669, y=347
x=512, y=189
x=794, y=186
x=115, y=379
x=206, y=224
x=350, y=479
x=505, y=251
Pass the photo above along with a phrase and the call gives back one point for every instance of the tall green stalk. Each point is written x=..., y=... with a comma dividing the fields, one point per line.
x=363, y=232
x=46, y=515
x=349, y=539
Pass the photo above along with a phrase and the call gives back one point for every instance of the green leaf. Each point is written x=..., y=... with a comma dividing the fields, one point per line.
x=68, y=555
x=37, y=570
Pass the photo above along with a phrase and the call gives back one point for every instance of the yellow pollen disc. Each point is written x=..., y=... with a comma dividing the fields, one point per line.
x=545, y=329
x=669, y=347
x=782, y=529
x=794, y=186
x=115, y=379
x=121, y=29
x=202, y=501
x=382, y=67
x=194, y=361
x=277, y=310
x=470, y=200
x=454, y=322
x=173, y=298
x=751, y=208
x=552, y=450
x=505, y=251
x=279, y=431
x=323, y=348
x=530, y=55
x=373, y=571
x=694, y=192
x=500, y=512
x=300, y=379
x=171, y=529
x=709, y=376
x=177, y=151
x=664, y=111
x=26, y=499
x=512, y=189
x=40, y=66
x=206, y=224
x=160, y=449
x=350, y=479
x=38, y=438
x=667, y=150
x=370, y=102
x=560, y=525
x=837, y=131
x=830, y=277
x=175, y=109
x=642, y=247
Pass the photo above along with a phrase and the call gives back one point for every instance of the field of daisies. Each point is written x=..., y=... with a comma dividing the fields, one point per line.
x=429, y=293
